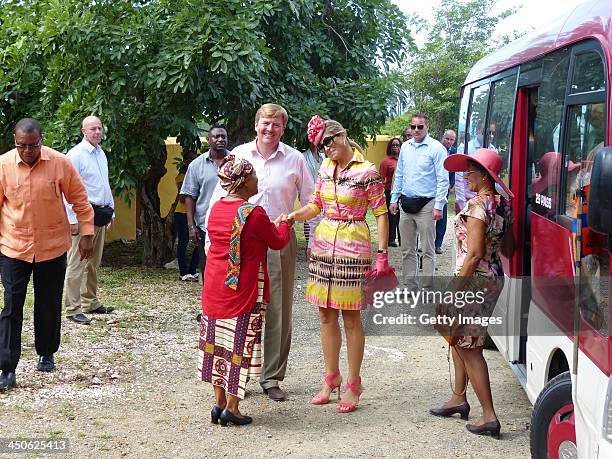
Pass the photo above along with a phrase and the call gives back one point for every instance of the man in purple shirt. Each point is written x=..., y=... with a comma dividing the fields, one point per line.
x=283, y=177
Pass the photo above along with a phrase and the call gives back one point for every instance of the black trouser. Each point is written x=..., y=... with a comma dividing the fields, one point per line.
x=441, y=227
x=202, y=258
x=393, y=221
x=48, y=288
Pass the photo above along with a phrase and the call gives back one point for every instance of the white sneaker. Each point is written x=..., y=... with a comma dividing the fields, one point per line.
x=186, y=277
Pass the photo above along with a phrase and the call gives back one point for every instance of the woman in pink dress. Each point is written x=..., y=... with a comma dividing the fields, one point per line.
x=341, y=252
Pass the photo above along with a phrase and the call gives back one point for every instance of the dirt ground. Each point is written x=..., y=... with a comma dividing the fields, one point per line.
x=125, y=386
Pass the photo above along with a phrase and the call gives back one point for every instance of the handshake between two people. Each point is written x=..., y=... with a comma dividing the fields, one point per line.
x=289, y=218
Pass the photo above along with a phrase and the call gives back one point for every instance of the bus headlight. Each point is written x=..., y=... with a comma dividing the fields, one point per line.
x=607, y=416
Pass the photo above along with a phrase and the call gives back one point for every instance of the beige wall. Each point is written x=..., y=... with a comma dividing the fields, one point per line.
x=376, y=150
x=125, y=220
x=167, y=185
x=126, y=217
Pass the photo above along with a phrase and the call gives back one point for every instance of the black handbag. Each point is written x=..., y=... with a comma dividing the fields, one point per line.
x=102, y=215
x=413, y=205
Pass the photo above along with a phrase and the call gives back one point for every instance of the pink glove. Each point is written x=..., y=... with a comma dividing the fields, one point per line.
x=382, y=262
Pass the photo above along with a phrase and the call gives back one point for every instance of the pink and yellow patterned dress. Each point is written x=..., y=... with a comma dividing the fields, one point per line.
x=341, y=251
x=496, y=214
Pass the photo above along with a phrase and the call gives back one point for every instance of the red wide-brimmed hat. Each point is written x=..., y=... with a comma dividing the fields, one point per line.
x=488, y=159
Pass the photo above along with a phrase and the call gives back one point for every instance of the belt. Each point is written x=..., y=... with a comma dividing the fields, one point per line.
x=343, y=218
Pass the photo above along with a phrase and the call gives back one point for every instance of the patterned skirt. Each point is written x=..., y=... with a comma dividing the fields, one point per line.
x=471, y=336
x=340, y=257
x=230, y=349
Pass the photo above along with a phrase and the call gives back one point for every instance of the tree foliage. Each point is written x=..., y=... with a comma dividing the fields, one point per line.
x=159, y=68
x=462, y=32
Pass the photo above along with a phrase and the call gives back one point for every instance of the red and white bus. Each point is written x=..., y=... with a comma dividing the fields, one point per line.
x=544, y=104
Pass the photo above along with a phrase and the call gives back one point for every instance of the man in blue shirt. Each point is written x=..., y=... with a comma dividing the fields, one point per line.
x=81, y=282
x=419, y=189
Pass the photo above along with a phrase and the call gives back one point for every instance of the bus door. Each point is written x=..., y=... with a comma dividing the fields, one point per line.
x=585, y=135
x=528, y=102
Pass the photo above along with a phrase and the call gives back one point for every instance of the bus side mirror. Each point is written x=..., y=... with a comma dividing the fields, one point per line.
x=600, y=192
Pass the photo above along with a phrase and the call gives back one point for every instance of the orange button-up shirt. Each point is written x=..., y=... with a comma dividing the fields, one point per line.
x=33, y=221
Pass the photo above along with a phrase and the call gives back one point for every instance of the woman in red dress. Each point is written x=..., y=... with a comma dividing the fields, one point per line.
x=235, y=289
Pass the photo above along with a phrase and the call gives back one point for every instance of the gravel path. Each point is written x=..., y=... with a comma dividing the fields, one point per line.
x=126, y=386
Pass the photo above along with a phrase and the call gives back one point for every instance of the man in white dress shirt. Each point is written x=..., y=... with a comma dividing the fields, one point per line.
x=90, y=162
x=283, y=177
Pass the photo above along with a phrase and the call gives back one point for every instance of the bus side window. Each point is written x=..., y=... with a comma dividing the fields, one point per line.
x=586, y=132
x=589, y=74
x=478, y=113
x=499, y=131
x=546, y=158
x=585, y=136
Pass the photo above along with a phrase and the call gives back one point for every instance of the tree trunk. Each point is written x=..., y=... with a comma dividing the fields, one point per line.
x=157, y=234
x=240, y=129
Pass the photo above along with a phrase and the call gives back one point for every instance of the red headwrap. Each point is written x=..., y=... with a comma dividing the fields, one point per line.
x=316, y=128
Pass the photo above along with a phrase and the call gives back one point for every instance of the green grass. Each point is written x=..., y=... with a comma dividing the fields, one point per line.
x=66, y=409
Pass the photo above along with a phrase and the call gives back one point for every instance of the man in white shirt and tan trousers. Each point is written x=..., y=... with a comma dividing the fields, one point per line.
x=283, y=177
x=81, y=295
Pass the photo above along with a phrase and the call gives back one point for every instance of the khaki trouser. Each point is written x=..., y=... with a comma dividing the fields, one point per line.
x=278, y=323
x=423, y=225
x=81, y=283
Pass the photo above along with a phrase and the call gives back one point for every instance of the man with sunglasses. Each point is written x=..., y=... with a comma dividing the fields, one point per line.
x=421, y=186
x=34, y=238
x=283, y=177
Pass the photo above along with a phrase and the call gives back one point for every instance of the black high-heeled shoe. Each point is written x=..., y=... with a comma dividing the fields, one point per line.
x=463, y=410
x=227, y=417
x=488, y=428
x=215, y=413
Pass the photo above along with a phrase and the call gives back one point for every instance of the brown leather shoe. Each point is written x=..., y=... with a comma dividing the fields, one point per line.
x=276, y=394
x=463, y=410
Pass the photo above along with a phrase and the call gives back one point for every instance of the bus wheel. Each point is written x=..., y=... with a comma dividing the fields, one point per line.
x=553, y=434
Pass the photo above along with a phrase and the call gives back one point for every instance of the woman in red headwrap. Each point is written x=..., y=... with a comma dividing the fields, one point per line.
x=235, y=289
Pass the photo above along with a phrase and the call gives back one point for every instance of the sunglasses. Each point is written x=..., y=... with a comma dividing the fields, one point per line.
x=417, y=126
x=468, y=173
x=327, y=141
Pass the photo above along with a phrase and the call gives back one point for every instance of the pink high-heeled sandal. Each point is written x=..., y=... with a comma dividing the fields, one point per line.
x=321, y=399
x=355, y=387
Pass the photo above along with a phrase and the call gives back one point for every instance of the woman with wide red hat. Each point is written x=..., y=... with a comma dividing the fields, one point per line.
x=483, y=230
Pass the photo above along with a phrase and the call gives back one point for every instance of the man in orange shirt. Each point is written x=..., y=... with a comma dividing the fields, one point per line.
x=34, y=238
